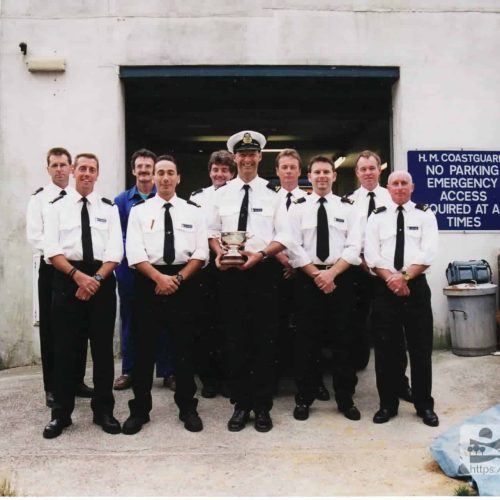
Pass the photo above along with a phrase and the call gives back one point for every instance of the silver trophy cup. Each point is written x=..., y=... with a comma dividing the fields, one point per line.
x=232, y=241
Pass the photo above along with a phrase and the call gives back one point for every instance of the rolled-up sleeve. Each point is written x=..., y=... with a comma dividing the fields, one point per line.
x=373, y=256
x=51, y=244
x=114, y=246
x=135, y=247
x=353, y=243
x=429, y=243
x=201, y=251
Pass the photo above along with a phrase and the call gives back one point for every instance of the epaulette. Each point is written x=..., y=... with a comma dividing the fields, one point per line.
x=422, y=206
x=346, y=199
x=57, y=199
x=198, y=191
x=138, y=203
x=39, y=190
x=270, y=186
x=277, y=188
x=109, y=202
x=300, y=200
x=193, y=203
x=379, y=210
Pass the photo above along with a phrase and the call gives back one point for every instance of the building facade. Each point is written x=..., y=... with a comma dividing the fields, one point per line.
x=71, y=89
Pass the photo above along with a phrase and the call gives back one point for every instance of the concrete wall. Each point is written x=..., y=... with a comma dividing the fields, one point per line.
x=447, y=96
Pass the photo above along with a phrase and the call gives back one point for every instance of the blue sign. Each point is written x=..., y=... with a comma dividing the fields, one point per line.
x=461, y=187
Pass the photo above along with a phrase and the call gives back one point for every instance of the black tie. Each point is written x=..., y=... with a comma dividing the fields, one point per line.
x=88, y=252
x=168, y=243
x=288, y=200
x=63, y=192
x=322, y=237
x=371, y=204
x=400, y=241
x=242, y=221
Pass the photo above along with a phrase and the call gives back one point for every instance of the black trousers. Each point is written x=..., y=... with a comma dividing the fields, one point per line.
x=94, y=320
x=395, y=318
x=318, y=312
x=249, y=320
x=153, y=315
x=208, y=337
x=364, y=291
x=47, y=341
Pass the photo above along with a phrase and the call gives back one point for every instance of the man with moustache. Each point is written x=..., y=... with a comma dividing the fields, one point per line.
x=330, y=242
x=58, y=168
x=221, y=169
x=83, y=242
x=249, y=306
x=367, y=198
x=143, y=164
x=167, y=245
x=400, y=245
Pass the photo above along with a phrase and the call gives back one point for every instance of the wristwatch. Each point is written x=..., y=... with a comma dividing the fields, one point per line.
x=98, y=277
x=406, y=276
x=179, y=278
x=264, y=254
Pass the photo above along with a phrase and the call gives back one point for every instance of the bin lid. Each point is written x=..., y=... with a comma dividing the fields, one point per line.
x=470, y=289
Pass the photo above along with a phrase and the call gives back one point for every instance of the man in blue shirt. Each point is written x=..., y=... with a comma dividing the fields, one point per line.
x=142, y=163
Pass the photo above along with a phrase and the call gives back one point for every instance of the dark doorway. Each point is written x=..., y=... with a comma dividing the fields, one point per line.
x=191, y=111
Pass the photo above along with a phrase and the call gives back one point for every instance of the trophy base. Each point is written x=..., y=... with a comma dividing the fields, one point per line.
x=232, y=261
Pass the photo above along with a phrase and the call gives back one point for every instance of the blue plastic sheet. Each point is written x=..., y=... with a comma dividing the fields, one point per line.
x=472, y=449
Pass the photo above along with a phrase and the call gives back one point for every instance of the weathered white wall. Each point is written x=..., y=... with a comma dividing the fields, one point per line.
x=447, y=97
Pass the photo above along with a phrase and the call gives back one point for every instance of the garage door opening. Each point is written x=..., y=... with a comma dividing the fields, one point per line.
x=190, y=112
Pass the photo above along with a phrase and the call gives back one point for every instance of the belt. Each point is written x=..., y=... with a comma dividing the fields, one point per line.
x=169, y=269
x=324, y=267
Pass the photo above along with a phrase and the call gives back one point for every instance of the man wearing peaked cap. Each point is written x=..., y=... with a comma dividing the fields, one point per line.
x=246, y=140
x=248, y=294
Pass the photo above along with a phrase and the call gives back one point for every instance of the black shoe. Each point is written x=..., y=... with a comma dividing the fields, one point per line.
x=192, y=421
x=134, y=424
x=263, y=422
x=383, y=416
x=322, y=393
x=406, y=394
x=83, y=391
x=209, y=391
x=301, y=412
x=108, y=423
x=49, y=399
x=55, y=427
x=352, y=413
x=429, y=418
x=238, y=421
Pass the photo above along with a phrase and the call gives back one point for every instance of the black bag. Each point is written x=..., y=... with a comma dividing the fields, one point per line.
x=469, y=271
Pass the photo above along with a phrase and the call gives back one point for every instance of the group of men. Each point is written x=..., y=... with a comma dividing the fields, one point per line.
x=336, y=259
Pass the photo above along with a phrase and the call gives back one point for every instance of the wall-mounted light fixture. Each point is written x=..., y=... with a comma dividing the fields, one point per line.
x=45, y=65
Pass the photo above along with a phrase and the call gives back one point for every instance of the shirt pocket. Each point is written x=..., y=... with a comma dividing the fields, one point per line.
x=413, y=231
x=185, y=237
x=339, y=225
x=387, y=232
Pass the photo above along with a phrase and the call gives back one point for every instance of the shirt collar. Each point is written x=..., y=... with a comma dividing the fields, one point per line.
x=254, y=183
x=174, y=201
x=133, y=193
x=315, y=197
x=409, y=205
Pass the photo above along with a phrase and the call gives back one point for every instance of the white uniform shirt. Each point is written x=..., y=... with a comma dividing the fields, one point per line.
x=343, y=231
x=63, y=228
x=38, y=207
x=203, y=197
x=296, y=194
x=146, y=232
x=421, y=237
x=361, y=200
x=265, y=221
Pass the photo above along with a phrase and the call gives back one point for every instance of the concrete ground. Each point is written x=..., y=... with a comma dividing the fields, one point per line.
x=324, y=456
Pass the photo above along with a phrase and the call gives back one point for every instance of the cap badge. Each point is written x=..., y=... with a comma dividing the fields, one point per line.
x=247, y=138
